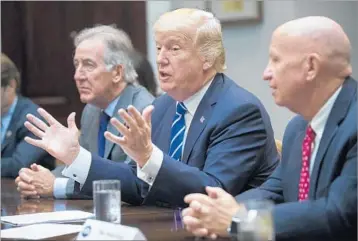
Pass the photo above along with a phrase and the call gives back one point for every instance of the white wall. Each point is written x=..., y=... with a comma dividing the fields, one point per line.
x=247, y=45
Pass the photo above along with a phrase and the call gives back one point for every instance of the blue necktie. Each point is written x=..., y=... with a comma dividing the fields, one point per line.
x=177, y=132
x=103, y=122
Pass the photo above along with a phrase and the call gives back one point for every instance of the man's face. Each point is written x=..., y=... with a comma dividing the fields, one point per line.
x=8, y=94
x=93, y=80
x=285, y=71
x=180, y=67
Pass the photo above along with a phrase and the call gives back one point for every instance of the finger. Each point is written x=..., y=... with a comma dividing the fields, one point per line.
x=201, y=232
x=136, y=116
x=17, y=180
x=187, y=212
x=49, y=118
x=25, y=175
x=129, y=120
x=29, y=195
x=122, y=141
x=213, y=236
x=37, y=122
x=147, y=114
x=120, y=127
x=71, y=121
x=202, y=198
x=36, y=131
x=23, y=186
x=35, y=142
x=192, y=222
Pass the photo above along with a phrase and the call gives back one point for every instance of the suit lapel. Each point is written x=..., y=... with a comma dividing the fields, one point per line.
x=124, y=101
x=92, y=130
x=11, y=130
x=202, y=115
x=164, y=128
x=338, y=113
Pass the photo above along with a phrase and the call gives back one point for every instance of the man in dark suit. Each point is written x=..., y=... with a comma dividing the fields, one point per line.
x=205, y=131
x=105, y=95
x=15, y=152
x=315, y=185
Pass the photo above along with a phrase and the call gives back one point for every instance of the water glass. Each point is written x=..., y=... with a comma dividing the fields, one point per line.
x=257, y=221
x=107, y=200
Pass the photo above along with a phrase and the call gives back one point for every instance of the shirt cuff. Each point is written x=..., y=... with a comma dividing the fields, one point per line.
x=150, y=170
x=59, y=187
x=79, y=168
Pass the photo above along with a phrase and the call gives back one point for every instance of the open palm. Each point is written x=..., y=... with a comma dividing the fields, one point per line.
x=58, y=140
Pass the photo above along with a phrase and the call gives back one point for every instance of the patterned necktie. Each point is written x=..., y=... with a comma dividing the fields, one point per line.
x=304, y=185
x=177, y=132
x=103, y=122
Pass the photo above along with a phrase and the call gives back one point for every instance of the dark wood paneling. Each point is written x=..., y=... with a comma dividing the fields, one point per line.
x=37, y=36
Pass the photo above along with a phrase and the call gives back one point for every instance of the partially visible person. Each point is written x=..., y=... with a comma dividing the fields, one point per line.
x=315, y=184
x=206, y=130
x=15, y=152
x=106, y=80
x=145, y=72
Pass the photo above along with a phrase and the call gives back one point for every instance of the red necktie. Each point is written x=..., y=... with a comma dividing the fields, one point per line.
x=304, y=185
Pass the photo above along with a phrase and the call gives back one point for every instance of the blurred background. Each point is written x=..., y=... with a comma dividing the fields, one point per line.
x=37, y=37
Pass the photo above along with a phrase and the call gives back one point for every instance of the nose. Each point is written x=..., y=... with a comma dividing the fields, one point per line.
x=79, y=75
x=161, y=57
x=267, y=75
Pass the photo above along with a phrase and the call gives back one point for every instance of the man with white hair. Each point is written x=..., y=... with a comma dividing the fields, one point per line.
x=315, y=184
x=105, y=78
x=206, y=130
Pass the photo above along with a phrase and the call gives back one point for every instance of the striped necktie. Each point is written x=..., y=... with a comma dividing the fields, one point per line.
x=177, y=132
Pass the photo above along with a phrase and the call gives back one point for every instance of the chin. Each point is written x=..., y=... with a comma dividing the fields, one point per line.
x=85, y=99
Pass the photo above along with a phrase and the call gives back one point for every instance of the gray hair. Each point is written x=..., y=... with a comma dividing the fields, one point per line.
x=118, y=48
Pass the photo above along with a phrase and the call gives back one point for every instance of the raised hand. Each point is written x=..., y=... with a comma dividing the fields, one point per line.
x=59, y=141
x=136, y=139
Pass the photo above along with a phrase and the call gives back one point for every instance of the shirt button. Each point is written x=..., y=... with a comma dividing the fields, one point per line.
x=150, y=179
x=74, y=175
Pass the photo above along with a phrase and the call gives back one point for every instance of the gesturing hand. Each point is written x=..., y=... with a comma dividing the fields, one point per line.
x=58, y=140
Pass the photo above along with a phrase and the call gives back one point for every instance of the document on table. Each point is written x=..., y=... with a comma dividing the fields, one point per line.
x=40, y=231
x=48, y=217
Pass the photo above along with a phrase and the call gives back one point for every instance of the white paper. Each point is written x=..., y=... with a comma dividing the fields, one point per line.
x=47, y=217
x=40, y=231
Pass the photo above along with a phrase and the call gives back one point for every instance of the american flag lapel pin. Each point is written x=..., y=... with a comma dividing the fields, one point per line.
x=202, y=119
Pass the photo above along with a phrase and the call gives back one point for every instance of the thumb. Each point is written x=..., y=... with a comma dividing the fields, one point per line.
x=147, y=114
x=215, y=192
x=34, y=167
x=71, y=123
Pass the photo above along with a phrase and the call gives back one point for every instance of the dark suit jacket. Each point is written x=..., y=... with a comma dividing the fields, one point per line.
x=137, y=96
x=331, y=212
x=17, y=153
x=233, y=148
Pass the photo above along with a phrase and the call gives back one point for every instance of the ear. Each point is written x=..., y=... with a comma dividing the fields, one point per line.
x=207, y=65
x=313, y=66
x=117, y=73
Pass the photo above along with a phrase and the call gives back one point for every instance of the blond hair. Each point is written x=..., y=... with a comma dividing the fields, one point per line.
x=207, y=36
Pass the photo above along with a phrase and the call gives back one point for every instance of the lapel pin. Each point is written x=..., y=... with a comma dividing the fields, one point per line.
x=8, y=133
x=202, y=119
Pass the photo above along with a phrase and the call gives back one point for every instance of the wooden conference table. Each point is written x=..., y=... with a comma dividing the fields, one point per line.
x=156, y=223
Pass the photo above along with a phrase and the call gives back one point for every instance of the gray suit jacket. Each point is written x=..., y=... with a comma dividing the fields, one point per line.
x=137, y=96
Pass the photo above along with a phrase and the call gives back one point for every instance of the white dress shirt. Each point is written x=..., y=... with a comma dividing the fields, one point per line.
x=318, y=124
x=79, y=169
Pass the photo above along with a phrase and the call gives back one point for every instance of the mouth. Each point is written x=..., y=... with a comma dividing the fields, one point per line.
x=163, y=75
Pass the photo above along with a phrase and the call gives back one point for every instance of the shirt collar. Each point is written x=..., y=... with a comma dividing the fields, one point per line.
x=111, y=107
x=12, y=108
x=193, y=101
x=320, y=119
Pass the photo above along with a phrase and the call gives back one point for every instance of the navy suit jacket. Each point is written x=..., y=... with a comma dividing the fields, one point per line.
x=230, y=144
x=17, y=153
x=331, y=212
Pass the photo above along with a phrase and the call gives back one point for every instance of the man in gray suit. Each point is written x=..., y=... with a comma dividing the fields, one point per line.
x=105, y=79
